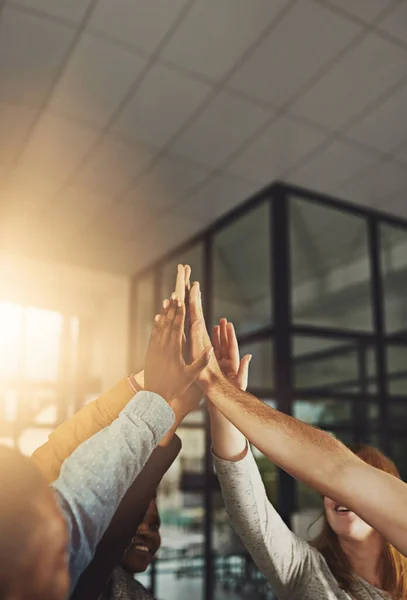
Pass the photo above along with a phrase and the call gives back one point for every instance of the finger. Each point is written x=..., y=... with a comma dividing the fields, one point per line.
x=233, y=346
x=187, y=275
x=195, y=306
x=216, y=342
x=168, y=320
x=243, y=373
x=156, y=331
x=177, y=327
x=224, y=346
x=199, y=364
x=180, y=283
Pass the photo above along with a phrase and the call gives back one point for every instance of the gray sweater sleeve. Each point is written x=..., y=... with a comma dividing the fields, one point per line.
x=284, y=559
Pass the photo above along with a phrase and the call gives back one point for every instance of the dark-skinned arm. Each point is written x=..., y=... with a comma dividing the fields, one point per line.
x=127, y=519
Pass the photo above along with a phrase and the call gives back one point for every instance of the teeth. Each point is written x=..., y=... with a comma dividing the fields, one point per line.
x=342, y=509
x=142, y=548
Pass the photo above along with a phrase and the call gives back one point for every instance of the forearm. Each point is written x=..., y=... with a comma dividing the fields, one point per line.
x=228, y=443
x=95, y=478
x=305, y=452
x=317, y=459
x=169, y=437
x=92, y=418
x=125, y=522
x=277, y=552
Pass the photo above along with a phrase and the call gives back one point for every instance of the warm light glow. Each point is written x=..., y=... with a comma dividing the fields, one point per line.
x=29, y=342
x=10, y=336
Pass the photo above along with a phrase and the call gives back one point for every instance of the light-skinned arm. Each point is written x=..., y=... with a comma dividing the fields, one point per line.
x=308, y=454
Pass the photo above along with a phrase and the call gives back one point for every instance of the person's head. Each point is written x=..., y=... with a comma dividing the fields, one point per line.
x=145, y=544
x=33, y=533
x=342, y=527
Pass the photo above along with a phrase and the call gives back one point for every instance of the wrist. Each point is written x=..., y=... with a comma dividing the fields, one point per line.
x=179, y=412
x=210, y=378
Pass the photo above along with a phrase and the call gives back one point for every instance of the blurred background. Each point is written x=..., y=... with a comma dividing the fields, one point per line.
x=264, y=142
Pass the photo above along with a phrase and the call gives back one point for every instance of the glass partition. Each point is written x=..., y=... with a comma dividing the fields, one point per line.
x=242, y=271
x=330, y=269
x=393, y=241
x=340, y=357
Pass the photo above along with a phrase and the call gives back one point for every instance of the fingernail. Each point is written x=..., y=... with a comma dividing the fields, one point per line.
x=179, y=304
x=249, y=358
x=157, y=318
x=173, y=296
x=166, y=303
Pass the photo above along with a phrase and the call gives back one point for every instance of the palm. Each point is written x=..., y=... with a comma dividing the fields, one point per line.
x=229, y=366
x=191, y=399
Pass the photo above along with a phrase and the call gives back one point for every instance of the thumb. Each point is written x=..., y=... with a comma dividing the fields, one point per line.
x=199, y=364
x=242, y=377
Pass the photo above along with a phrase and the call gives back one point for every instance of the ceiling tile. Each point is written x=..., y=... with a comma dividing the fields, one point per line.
x=126, y=218
x=12, y=231
x=279, y=68
x=73, y=210
x=385, y=128
x=96, y=80
x=15, y=121
x=395, y=204
x=276, y=150
x=380, y=181
x=113, y=166
x=357, y=79
x=167, y=182
x=396, y=22
x=54, y=150
x=220, y=129
x=220, y=195
x=27, y=192
x=143, y=23
x=72, y=10
x=364, y=9
x=216, y=33
x=31, y=51
x=125, y=259
x=330, y=167
x=90, y=250
x=163, y=103
x=170, y=231
x=401, y=151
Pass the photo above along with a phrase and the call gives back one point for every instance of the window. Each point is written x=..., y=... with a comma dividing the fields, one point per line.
x=241, y=271
x=38, y=352
x=394, y=272
x=330, y=269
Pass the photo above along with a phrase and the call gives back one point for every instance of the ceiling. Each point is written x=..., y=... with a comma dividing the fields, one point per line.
x=127, y=126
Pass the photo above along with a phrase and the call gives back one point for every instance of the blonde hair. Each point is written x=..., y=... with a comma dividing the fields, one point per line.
x=393, y=563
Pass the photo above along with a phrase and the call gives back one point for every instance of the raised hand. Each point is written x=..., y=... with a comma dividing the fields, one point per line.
x=166, y=372
x=198, y=334
x=226, y=348
x=227, y=441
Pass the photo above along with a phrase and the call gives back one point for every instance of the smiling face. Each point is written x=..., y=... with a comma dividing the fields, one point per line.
x=145, y=543
x=345, y=523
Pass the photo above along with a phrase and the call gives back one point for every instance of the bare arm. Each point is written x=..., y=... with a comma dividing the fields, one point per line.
x=317, y=459
x=310, y=455
x=228, y=443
